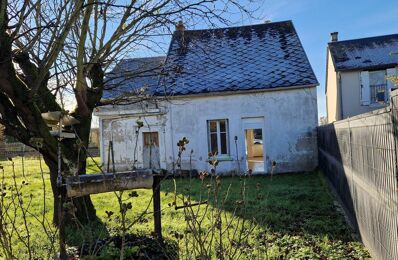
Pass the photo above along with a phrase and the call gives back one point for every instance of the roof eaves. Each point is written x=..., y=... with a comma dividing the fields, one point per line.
x=236, y=92
x=374, y=67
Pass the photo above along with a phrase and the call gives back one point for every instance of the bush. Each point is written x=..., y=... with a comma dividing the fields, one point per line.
x=135, y=247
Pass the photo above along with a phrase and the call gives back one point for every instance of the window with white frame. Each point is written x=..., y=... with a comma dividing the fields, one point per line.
x=218, y=136
x=378, y=87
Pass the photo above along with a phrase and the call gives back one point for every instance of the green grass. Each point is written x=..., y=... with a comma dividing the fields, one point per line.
x=295, y=214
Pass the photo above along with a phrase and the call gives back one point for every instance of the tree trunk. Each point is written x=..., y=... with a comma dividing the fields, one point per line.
x=24, y=96
x=83, y=209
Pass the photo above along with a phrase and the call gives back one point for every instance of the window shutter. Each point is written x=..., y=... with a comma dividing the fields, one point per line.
x=365, y=88
x=390, y=73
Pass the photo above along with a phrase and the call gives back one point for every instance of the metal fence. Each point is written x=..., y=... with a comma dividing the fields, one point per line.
x=359, y=157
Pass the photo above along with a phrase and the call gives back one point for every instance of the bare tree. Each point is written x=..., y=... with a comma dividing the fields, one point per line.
x=48, y=47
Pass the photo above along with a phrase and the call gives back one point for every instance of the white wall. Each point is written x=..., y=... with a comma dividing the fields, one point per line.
x=289, y=134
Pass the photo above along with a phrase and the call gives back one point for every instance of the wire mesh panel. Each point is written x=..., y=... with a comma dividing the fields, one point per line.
x=359, y=157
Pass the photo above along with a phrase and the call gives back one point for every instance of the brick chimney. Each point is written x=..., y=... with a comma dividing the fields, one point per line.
x=334, y=36
x=180, y=29
x=180, y=26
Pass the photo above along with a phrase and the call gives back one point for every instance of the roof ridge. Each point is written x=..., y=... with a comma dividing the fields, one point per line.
x=364, y=38
x=145, y=58
x=238, y=27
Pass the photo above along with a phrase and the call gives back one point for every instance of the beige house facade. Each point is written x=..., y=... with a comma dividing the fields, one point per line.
x=357, y=73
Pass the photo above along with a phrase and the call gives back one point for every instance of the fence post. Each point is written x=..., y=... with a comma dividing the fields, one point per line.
x=156, y=206
x=23, y=163
x=61, y=223
x=354, y=198
x=394, y=118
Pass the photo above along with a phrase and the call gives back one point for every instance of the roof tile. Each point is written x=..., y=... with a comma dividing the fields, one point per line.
x=133, y=76
x=252, y=57
x=238, y=58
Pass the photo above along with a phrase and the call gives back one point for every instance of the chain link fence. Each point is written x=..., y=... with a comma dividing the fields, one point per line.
x=359, y=157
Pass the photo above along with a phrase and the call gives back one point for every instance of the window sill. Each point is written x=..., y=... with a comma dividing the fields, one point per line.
x=378, y=104
x=221, y=158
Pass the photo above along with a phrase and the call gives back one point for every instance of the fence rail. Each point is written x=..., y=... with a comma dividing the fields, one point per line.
x=359, y=157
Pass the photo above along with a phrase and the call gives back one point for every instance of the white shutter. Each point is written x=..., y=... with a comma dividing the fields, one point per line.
x=365, y=88
x=390, y=73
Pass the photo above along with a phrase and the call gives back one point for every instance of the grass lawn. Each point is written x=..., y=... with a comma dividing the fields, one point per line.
x=295, y=215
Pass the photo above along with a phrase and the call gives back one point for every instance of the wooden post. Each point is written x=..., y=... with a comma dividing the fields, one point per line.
x=156, y=206
x=109, y=156
x=61, y=223
x=61, y=193
x=113, y=157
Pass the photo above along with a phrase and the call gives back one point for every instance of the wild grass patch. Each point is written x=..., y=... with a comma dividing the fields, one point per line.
x=295, y=216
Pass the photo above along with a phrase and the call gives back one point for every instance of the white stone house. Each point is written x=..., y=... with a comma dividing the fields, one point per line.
x=246, y=93
x=356, y=74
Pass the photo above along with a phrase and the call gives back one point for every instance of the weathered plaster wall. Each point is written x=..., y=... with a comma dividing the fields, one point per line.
x=118, y=123
x=289, y=136
x=289, y=120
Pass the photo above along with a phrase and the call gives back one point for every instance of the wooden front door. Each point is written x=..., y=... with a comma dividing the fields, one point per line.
x=151, y=157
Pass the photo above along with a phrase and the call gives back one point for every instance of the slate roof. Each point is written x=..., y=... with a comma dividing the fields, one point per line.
x=365, y=53
x=133, y=76
x=255, y=57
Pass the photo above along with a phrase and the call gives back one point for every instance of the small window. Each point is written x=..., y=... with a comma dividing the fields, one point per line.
x=258, y=134
x=151, y=138
x=218, y=136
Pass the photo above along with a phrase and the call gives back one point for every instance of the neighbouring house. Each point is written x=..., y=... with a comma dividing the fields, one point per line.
x=247, y=94
x=357, y=74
